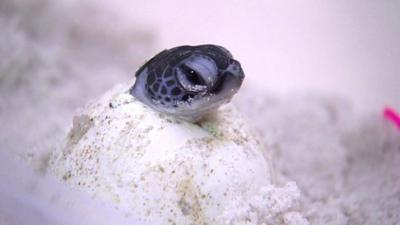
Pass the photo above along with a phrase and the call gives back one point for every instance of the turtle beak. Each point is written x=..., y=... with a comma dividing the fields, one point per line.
x=236, y=70
x=230, y=81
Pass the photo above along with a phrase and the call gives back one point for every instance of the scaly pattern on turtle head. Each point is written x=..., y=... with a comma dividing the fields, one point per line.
x=188, y=81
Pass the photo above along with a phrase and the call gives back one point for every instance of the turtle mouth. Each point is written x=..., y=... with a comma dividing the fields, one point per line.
x=227, y=84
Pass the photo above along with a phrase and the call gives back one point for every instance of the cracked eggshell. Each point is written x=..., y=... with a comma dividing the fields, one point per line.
x=157, y=168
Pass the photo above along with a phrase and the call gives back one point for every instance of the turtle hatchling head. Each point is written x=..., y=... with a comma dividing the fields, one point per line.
x=188, y=81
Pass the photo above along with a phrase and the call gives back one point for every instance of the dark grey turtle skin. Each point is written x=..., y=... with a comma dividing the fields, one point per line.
x=188, y=81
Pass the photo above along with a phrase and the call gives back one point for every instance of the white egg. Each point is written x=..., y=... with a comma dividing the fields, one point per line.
x=160, y=169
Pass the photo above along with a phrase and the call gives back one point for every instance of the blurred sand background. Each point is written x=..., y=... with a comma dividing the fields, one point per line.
x=58, y=55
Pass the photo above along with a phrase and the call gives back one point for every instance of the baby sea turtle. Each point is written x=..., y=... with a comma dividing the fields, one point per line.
x=188, y=81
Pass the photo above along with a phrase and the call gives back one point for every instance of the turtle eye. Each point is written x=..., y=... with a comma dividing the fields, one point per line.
x=190, y=80
x=192, y=76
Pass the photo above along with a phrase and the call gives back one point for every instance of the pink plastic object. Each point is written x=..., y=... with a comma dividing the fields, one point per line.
x=391, y=115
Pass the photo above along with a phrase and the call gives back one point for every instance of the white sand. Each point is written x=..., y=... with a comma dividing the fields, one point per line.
x=346, y=162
